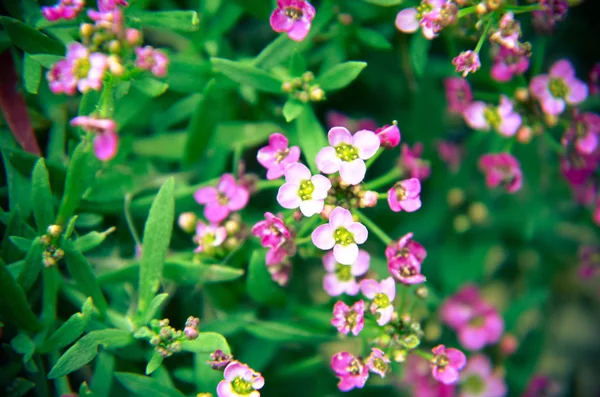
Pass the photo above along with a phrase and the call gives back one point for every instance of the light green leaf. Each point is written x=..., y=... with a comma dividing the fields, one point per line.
x=248, y=75
x=201, y=127
x=154, y=362
x=309, y=134
x=285, y=332
x=259, y=283
x=154, y=307
x=206, y=342
x=186, y=21
x=373, y=39
x=169, y=146
x=385, y=3
x=157, y=236
x=46, y=60
x=340, y=75
x=32, y=74
x=144, y=386
x=91, y=240
x=30, y=40
x=292, y=109
x=150, y=86
x=41, y=196
x=70, y=330
x=419, y=52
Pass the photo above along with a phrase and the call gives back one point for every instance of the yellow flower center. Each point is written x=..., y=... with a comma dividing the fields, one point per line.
x=343, y=272
x=293, y=12
x=241, y=386
x=558, y=88
x=346, y=152
x=343, y=236
x=81, y=68
x=306, y=189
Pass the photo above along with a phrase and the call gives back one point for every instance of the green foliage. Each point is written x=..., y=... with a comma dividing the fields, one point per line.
x=186, y=21
x=247, y=75
x=340, y=75
x=72, y=329
x=259, y=283
x=41, y=196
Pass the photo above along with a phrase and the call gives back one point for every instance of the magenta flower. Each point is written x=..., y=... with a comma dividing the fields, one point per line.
x=149, y=58
x=544, y=21
x=450, y=153
x=405, y=195
x=79, y=70
x=502, y=169
x=467, y=62
x=272, y=231
x=458, y=94
x=378, y=363
x=406, y=270
x=578, y=167
x=347, y=154
x=106, y=140
x=293, y=17
x=508, y=33
x=351, y=371
x=342, y=234
x=389, y=135
x=303, y=190
x=349, y=319
x=503, y=118
x=405, y=248
x=209, y=236
x=417, y=376
x=446, y=364
x=428, y=16
x=541, y=385
x=65, y=9
x=382, y=296
x=240, y=381
x=277, y=155
x=412, y=164
x=479, y=380
x=509, y=63
x=109, y=5
x=594, y=80
x=583, y=133
x=219, y=360
x=589, y=261
x=219, y=202
x=338, y=119
x=111, y=20
x=341, y=279
x=558, y=88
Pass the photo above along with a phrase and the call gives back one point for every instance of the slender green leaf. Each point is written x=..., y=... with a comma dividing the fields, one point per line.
x=259, y=283
x=340, y=75
x=206, y=342
x=373, y=39
x=285, y=332
x=154, y=362
x=30, y=40
x=201, y=126
x=91, y=240
x=144, y=386
x=41, y=196
x=154, y=307
x=14, y=306
x=150, y=86
x=23, y=345
x=385, y=3
x=23, y=244
x=20, y=387
x=419, y=52
x=70, y=330
x=84, y=390
x=186, y=21
x=32, y=265
x=46, y=60
x=32, y=74
x=309, y=134
x=157, y=235
x=247, y=75
x=103, y=374
x=292, y=109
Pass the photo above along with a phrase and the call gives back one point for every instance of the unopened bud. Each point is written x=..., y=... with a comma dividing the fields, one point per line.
x=48, y=261
x=524, y=134
x=422, y=292
x=232, y=227
x=481, y=9
x=308, y=77
x=456, y=196
x=86, y=30
x=204, y=395
x=478, y=212
x=58, y=254
x=400, y=355
x=411, y=341
x=384, y=340
x=317, y=94
x=369, y=199
x=521, y=94
x=461, y=223
x=303, y=96
x=232, y=243
x=133, y=36
x=509, y=344
x=154, y=341
x=187, y=221
x=46, y=239
x=345, y=19
x=433, y=331
x=287, y=87
x=54, y=231
x=327, y=210
x=297, y=83
x=493, y=5
x=551, y=120
x=115, y=66
x=175, y=347
x=298, y=216
x=219, y=360
x=114, y=47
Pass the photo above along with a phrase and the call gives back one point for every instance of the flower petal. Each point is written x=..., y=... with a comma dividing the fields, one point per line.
x=578, y=92
x=287, y=196
x=474, y=116
x=367, y=143
x=359, y=231
x=327, y=160
x=388, y=287
x=353, y=172
x=239, y=199
x=206, y=195
x=329, y=262
x=362, y=263
x=345, y=254
x=322, y=185
x=332, y=285
x=278, y=141
x=216, y=212
x=322, y=237
x=369, y=288
x=280, y=22
x=410, y=204
x=299, y=30
x=338, y=135
x=340, y=217
x=406, y=20
x=296, y=173
x=311, y=207
x=105, y=145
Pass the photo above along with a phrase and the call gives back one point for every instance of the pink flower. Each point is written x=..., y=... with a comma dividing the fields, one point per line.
x=467, y=62
x=277, y=155
x=65, y=9
x=594, y=81
x=149, y=58
x=303, y=190
x=389, y=135
x=276, y=236
x=349, y=319
x=417, y=375
x=382, y=296
x=411, y=162
x=589, y=261
x=280, y=272
x=293, y=17
x=109, y=5
x=406, y=270
x=240, y=381
x=583, y=132
x=351, y=371
x=338, y=119
x=450, y=153
x=541, y=385
x=341, y=279
x=347, y=154
x=478, y=379
x=458, y=94
x=378, y=363
x=509, y=32
x=405, y=195
x=209, y=236
x=509, y=63
x=404, y=248
x=554, y=11
x=79, y=70
x=106, y=140
x=502, y=118
x=558, y=88
x=111, y=20
x=342, y=234
x=502, y=169
x=446, y=364
x=578, y=167
x=428, y=16
x=228, y=196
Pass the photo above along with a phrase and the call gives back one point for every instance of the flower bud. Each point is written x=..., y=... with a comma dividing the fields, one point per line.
x=190, y=332
x=86, y=30
x=524, y=134
x=369, y=199
x=327, y=210
x=521, y=94
x=317, y=94
x=219, y=360
x=46, y=240
x=422, y=292
x=509, y=344
x=478, y=212
x=461, y=223
x=133, y=36
x=232, y=227
x=48, y=261
x=412, y=341
x=232, y=243
x=287, y=87
x=298, y=215
x=400, y=355
x=58, y=254
x=481, y=9
x=303, y=96
x=114, y=47
x=389, y=135
x=204, y=395
x=456, y=196
x=187, y=221
x=345, y=19
x=308, y=77
x=551, y=120
x=54, y=231
x=114, y=65
x=493, y=5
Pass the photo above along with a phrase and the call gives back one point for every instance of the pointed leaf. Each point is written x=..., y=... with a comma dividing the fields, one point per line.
x=247, y=75
x=419, y=52
x=201, y=126
x=309, y=134
x=32, y=74
x=292, y=109
x=206, y=342
x=14, y=306
x=154, y=362
x=32, y=265
x=340, y=75
x=154, y=307
x=186, y=21
x=70, y=330
x=30, y=40
x=144, y=386
x=41, y=196
x=373, y=39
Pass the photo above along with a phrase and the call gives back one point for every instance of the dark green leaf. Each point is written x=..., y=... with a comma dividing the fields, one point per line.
x=41, y=196
x=154, y=307
x=13, y=303
x=32, y=74
x=202, y=126
x=23, y=345
x=70, y=330
x=24, y=244
x=285, y=332
x=103, y=374
x=373, y=39
x=247, y=75
x=340, y=75
x=186, y=21
x=297, y=64
x=178, y=112
x=309, y=134
x=32, y=266
x=292, y=109
x=419, y=52
x=206, y=342
x=259, y=283
x=154, y=362
x=30, y=40
x=20, y=387
x=144, y=386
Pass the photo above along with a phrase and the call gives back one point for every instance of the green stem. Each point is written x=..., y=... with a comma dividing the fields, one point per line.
x=385, y=239
x=382, y=196
x=304, y=240
x=264, y=185
x=391, y=176
x=106, y=104
x=309, y=225
x=466, y=11
x=129, y=219
x=427, y=356
x=484, y=35
x=523, y=9
x=237, y=157
x=375, y=157
x=403, y=300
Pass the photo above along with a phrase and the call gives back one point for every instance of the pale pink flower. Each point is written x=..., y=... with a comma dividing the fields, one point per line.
x=450, y=153
x=411, y=164
x=458, y=94
x=558, y=88
x=350, y=370
x=347, y=154
x=338, y=119
x=219, y=202
x=341, y=279
x=293, y=17
x=240, y=381
x=502, y=169
x=378, y=363
x=405, y=195
x=277, y=155
x=349, y=319
x=503, y=119
x=428, y=16
x=509, y=32
x=65, y=9
x=303, y=190
x=509, y=63
x=79, y=70
x=382, y=296
x=446, y=364
x=467, y=62
x=583, y=132
x=389, y=135
x=149, y=58
x=479, y=380
x=109, y=5
x=342, y=234
x=106, y=140
x=209, y=236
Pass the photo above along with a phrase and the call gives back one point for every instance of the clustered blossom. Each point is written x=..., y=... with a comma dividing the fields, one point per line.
x=558, y=88
x=508, y=63
x=382, y=296
x=342, y=234
x=293, y=17
x=349, y=319
x=149, y=58
x=277, y=155
x=342, y=279
x=583, y=133
x=502, y=118
x=276, y=236
x=64, y=9
x=166, y=339
x=240, y=381
x=479, y=379
x=106, y=140
x=553, y=11
x=303, y=190
x=80, y=70
x=220, y=201
x=405, y=257
x=418, y=377
x=208, y=237
x=502, y=169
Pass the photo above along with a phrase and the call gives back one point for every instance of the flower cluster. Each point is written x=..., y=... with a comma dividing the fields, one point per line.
x=239, y=380
x=166, y=339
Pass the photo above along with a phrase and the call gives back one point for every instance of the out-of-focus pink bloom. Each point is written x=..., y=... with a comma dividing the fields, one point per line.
x=446, y=364
x=79, y=70
x=509, y=63
x=301, y=189
x=342, y=234
x=479, y=380
x=458, y=94
x=450, y=153
x=338, y=119
x=595, y=79
x=428, y=16
x=106, y=140
x=209, y=236
x=277, y=155
x=350, y=370
x=417, y=376
x=502, y=118
x=476, y=323
x=411, y=163
x=65, y=9
x=509, y=344
x=109, y=5
x=280, y=272
x=467, y=62
x=347, y=154
x=293, y=17
x=369, y=199
x=111, y=20
x=578, y=167
x=405, y=195
x=589, y=261
x=597, y=212
x=349, y=319
x=382, y=296
x=502, y=169
x=240, y=381
x=583, y=133
x=341, y=279
x=275, y=235
x=541, y=385
x=378, y=363
x=554, y=11
x=585, y=193
x=404, y=260
x=219, y=202
x=558, y=88
x=389, y=135
x=508, y=33
x=219, y=360
x=149, y=58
